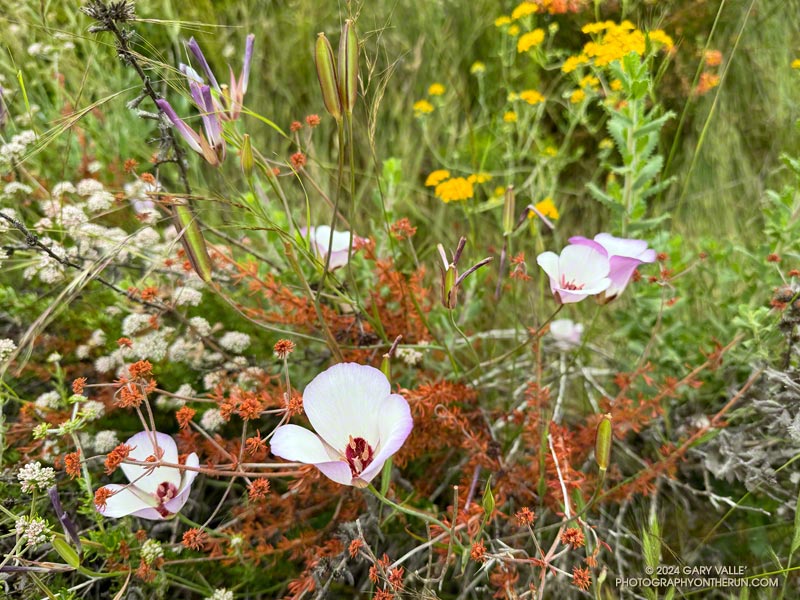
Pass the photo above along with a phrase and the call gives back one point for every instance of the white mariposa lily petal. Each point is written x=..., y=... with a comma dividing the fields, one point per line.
x=296, y=443
x=395, y=426
x=125, y=500
x=344, y=401
x=148, y=479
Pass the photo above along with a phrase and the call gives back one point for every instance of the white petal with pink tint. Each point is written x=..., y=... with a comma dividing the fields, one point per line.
x=148, y=479
x=298, y=444
x=344, y=401
x=395, y=426
x=125, y=500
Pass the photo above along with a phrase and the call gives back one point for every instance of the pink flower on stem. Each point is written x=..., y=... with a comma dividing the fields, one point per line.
x=153, y=493
x=210, y=146
x=624, y=255
x=580, y=271
x=320, y=239
x=229, y=100
x=359, y=424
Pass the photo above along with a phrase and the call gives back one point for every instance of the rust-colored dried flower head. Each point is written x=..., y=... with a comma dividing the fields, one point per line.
x=283, y=348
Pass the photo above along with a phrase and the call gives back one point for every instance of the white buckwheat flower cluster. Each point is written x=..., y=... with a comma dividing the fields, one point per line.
x=34, y=476
x=151, y=551
x=221, y=594
x=7, y=346
x=105, y=441
x=235, y=341
x=212, y=420
x=33, y=530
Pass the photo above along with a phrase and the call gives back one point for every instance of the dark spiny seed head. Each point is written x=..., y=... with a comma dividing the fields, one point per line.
x=108, y=14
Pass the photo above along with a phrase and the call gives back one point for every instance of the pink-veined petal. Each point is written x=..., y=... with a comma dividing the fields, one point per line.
x=622, y=268
x=395, y=426
x=147, y=479
x=345, y=401
x=296, y=443
x=125, y=500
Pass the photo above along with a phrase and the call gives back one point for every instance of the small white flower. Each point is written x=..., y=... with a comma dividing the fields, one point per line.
x=200, y=325
x=61, y=188
x=221, y=594
x=49, y=399
x=72, y=217
x=235, y=341
x=182, y=296
x=151, y=346
x=15, y=187
x=93, y=410
x=11, y=214
x=212, y=420
x=100, y=201
x=151, y=551
x=134, y=323
x=7, y=346
x=95, y=166
x=105, y=441
x=54, y=357
x=33, y=530
x=104, y=364
x=98, y=338
x=34, y=476
x=210, y=380
x=410, y=356
x=87, y=187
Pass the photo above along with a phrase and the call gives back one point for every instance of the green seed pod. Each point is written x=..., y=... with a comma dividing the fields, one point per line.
x=348, y=66
x=66, y=552
x=386, y=367
x=509, y=211
x=247, y=156
x=603, y=440
x=449, y=289
x=194, y=244
x=488, y=501
x=326, y=73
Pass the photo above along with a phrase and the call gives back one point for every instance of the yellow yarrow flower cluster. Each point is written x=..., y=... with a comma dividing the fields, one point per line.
x=510, y=117
x=523, y=10
x=422, y=107
x=530, y=40
x=615, y=42
x=589, y=81
x=437, y=177
x=577, y=96
x=480, y=177
x=796, y=63
x=532, y=97
x=436, y=89
x=454, y=189
x=500, y=21
x=477, y=68
x=513, y=30
x=547, y=208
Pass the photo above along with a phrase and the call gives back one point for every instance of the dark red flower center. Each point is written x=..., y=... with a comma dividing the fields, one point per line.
x=359, y=454
x=570, y=285
x=165, y=492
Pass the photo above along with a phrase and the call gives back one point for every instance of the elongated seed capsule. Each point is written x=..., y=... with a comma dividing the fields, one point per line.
x=326, y=73
x=194, y=244
x=348, y=66
x=66, y=552
x=246, y=155
x=508, y=211
x=603, y=439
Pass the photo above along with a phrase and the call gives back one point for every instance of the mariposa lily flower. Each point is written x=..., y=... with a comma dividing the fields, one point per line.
x=210, y=146
x=153, y=493
x=580, y=271
x=624, y=255
x=566, y=334
x=320, y=239
x=229, y=100
x=359, y=424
